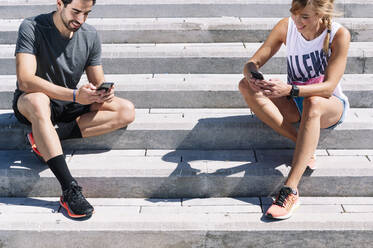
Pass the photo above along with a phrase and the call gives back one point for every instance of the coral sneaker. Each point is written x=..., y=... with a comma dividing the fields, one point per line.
x=286, y=202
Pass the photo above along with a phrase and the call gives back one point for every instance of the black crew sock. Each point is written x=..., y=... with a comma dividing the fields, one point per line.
x=68, y=130
x=59, y=168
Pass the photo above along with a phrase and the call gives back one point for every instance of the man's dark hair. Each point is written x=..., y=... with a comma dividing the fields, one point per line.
x=66, y=2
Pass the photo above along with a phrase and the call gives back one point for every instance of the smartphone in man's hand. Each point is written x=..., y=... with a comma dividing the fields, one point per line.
x=257, y=75
x=105, y=86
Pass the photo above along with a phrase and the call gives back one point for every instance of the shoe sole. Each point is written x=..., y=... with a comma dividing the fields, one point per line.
x=72, y=215
x=295, y=207
x=33, y=148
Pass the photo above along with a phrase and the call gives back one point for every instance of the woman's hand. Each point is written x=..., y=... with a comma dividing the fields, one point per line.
x=254, y=85
x=273, y=88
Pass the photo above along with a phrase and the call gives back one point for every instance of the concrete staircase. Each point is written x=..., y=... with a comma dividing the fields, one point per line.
x=196, y=168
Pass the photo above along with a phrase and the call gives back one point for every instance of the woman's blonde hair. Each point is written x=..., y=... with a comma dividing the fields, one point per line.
x=324, y=8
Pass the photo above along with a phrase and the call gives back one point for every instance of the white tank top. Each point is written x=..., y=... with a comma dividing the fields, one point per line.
x=306, y=61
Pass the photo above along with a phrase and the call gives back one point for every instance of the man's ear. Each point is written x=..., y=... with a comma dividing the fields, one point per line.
x=59, y=5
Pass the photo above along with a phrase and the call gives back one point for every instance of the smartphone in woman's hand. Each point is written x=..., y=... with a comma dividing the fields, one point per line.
x=257, y=75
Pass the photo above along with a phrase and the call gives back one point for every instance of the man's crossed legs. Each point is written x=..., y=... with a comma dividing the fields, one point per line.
x=39, y=111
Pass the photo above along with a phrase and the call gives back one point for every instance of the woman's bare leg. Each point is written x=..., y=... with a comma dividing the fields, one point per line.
x=318, y=112
x=279, y=113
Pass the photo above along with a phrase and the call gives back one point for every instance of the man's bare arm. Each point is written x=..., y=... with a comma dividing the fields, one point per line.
x=95, y=75
x=28, y=82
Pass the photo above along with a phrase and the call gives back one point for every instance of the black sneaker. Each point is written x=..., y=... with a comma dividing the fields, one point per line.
x=75, y=203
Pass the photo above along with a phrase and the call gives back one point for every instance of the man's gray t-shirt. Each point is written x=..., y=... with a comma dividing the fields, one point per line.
x=60, y=60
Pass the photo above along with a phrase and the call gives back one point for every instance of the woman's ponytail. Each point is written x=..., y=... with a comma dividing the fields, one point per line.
x=328, y=23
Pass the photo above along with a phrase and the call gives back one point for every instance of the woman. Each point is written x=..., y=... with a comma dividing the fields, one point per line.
x=317, y=53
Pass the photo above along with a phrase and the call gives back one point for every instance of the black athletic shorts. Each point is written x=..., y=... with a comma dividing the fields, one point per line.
x=61, y=111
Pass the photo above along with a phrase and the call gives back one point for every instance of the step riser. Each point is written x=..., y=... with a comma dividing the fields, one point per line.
x=21, y=184
x=197, y=99
x=182, y=223
x=196, y=58
x=183, y=10
x=196, y=90
x=205, y=136
x=222, y=137
x=187, y=36
x=205, y=99
x=188, y=238
x=160, y=36
x=186, y=174
x=228, y=65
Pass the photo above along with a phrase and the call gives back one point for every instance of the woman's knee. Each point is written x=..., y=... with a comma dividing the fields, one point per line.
x=248, y=93
x=312, y=106
x=245, y=88
x=243, y=85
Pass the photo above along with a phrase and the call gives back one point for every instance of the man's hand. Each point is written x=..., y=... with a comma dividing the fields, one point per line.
x=106, y=96
x=87, y=94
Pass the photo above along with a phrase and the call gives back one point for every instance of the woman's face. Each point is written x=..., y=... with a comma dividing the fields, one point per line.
x=307, y=20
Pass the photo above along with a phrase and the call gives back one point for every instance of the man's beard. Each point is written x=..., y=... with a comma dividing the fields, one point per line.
x=67, y=24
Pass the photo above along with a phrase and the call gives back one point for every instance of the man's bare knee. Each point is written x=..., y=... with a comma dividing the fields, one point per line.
x=126, y=113
x=34, y=106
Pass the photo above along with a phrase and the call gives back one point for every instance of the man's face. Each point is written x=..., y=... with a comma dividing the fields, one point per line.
x=75, y=13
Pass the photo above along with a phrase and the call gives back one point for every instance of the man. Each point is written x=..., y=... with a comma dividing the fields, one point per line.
x=53, y=50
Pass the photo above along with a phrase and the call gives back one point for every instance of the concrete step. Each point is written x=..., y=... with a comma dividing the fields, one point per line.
x=210, y=223
x=181, y=8
x=200, y=129
x=195, y=90
x=186, y=30
x=187, y=173
x=195, y=58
